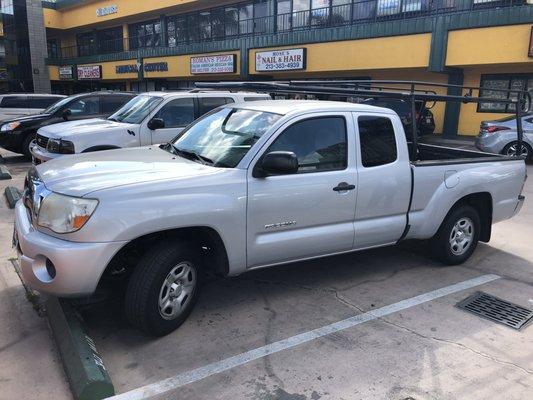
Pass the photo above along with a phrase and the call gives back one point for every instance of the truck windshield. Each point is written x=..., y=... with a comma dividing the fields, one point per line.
x=136, y=110
x=224, y=136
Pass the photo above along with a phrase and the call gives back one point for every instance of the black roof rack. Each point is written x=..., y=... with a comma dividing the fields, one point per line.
x=390, y=89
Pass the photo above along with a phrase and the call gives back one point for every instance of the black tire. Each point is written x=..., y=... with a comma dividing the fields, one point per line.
x=441, y=243
x=25, y=149
x=142, y=302
x=511, y=149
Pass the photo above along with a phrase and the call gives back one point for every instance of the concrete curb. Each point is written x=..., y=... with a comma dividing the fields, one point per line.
x=83, y=365
x=12, y=196
x=4, y=173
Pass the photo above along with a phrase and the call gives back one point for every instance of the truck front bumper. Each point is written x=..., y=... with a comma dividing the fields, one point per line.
x=40, y=155
x=59, y=267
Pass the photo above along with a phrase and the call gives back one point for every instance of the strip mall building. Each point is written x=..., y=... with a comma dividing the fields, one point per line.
x=167, y=44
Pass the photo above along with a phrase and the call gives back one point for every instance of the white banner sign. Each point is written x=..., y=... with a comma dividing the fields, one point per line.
x=102, y=12
x=65, y=72
x=280, y=60
x=90, y=72
x=220, y=64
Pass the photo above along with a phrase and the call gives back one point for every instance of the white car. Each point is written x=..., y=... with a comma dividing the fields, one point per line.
x=21, y=105
x=150, y=118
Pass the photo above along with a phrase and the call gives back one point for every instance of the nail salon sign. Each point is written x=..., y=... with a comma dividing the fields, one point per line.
x=280, y=60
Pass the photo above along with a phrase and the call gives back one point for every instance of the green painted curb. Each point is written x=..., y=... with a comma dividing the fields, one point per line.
x=83, y=365
x=4, y=173
x=12, y=196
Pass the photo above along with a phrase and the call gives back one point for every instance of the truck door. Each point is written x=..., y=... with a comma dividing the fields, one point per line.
x=309, y=213
x=384, y=180
x=176, y=115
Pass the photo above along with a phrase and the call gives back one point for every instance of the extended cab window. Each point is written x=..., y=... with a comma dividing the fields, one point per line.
x=85, y=106
x=319, y=143
x=177, y=113
x=378, y=142
x=15, y=102
x=210, y=103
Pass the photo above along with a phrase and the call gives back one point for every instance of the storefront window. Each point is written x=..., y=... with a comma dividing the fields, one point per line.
x=341, y=11
x=261, y=16
x=246, y=19
x=284, y=15
x=86, y=44
x=513, y=82
x=231, y=19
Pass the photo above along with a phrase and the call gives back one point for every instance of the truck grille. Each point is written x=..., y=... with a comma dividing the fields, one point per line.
x=42, y=141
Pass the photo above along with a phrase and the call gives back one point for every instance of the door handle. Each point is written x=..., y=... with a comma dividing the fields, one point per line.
x=343, y=186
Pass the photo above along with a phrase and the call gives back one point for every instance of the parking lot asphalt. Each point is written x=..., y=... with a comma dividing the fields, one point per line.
x=427, y=350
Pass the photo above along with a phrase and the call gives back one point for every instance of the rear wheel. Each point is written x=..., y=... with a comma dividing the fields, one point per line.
x=458, y=236
x=511, y=149
x=163, y=288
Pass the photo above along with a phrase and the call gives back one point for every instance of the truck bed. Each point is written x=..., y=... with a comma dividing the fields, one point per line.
x=429, y=154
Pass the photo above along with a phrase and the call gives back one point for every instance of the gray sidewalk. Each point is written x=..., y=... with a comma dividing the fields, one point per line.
x=30, y=367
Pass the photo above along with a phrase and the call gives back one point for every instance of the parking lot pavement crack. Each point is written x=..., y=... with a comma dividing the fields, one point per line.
x=269, y=368
x=458, y=344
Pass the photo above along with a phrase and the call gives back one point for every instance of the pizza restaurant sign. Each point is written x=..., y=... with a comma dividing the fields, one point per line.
x=219, y=64
x=280, y=60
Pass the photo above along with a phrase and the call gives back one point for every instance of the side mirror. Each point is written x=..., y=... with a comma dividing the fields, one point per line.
x=156, y=123
x=278, y=163
x=67, y=113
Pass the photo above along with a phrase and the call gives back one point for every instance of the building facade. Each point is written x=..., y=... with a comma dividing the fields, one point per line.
x=22, y=47
x=168, y=44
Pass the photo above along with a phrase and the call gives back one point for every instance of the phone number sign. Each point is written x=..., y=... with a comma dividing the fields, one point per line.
x=280, y=60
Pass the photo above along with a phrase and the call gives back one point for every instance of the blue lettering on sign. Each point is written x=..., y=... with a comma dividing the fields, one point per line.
x=156, y=67
x=127, y=69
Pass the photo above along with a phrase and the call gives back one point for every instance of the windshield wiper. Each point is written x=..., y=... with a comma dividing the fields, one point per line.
x=113, y=119
x=190, y=153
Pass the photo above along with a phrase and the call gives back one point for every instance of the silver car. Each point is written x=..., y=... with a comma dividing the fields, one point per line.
x=500, y=136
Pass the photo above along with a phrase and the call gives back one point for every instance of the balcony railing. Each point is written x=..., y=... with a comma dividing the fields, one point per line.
x=358, y=12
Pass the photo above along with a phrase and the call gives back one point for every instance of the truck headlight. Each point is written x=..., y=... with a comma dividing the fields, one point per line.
x=11, y=126
x=60, y=146
x=65, y=214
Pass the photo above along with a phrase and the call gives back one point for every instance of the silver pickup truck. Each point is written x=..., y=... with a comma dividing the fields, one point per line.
x=249, y=186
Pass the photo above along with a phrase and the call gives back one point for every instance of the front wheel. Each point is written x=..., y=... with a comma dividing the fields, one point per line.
x=458, y=236
x=25, y=148
x=163, y=288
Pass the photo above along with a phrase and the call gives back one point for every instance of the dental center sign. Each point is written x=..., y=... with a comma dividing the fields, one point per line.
x=280, y=60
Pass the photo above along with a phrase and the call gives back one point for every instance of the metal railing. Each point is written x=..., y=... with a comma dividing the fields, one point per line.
x=357, y=12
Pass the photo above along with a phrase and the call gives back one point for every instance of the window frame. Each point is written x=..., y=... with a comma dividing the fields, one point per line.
x=266, y=148
x=509, y=77
x=162, y=106
x=359, y=142
x=24, y=98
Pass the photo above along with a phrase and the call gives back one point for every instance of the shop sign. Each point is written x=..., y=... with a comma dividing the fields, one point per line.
x=90, y=72
x=103, y=11
x=530, y=54
x=219, y=64
x=280, y=60
x=127, y=69
x=65, y=72
x=156, y=67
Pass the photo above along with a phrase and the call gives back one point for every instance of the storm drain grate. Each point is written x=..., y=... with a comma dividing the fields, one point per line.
x=497, y=310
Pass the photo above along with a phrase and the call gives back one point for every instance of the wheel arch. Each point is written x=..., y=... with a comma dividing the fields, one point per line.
x=482, y=203
x=207, y=240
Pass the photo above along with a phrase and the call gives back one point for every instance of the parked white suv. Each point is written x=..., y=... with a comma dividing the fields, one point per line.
x=20, y=105
x=150, y=118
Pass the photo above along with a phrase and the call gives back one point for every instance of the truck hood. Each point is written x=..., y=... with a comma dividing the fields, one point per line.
x=82, y=174
x=66, y=129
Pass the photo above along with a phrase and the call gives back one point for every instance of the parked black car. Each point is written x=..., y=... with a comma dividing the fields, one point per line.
x=17, y=134
x=424, y=116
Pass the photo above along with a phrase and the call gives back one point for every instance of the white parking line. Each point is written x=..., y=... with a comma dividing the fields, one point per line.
x=217, y=367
